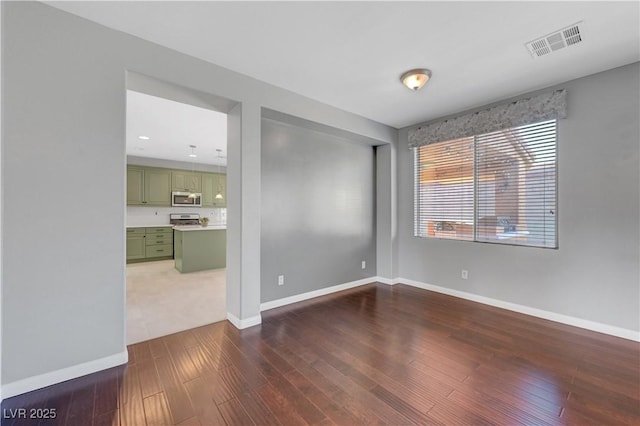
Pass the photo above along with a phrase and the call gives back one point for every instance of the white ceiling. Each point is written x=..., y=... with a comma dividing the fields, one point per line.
x=351, y=54
x=171, y=127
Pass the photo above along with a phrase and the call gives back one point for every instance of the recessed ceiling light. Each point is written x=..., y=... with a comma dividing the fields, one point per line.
x=144, y=138
x=415, y=79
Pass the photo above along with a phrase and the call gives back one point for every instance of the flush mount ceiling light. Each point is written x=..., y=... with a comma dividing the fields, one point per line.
x=144, y=138
x=415, y=79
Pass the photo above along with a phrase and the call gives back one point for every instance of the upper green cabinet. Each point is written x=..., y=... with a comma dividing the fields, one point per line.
x=209, y=181
x=135, y=185
x=186, y=181
x=222, y=190
x=148, y=186
x=212, y=185
x=157, y=187
x=152, y=186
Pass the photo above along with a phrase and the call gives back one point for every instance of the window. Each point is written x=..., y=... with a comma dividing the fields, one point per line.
x=498, y=187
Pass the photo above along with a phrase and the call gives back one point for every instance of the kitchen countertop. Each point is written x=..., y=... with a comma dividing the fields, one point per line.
x=200, y=228
x=149, y=226
x=181, y=227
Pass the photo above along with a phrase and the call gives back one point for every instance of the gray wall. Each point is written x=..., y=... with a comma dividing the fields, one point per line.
x=318, y=210
x=64, y=128
x=594, y=274
x=62, y=285
x=386, y=212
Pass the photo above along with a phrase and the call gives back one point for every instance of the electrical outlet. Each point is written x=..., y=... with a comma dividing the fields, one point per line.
x=364, y=264
x=465, y=274
x=280, y=279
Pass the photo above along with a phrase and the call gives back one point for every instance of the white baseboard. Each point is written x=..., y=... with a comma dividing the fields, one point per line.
x=244, y=323
x=47, y=379
x=315, y=293
x=387, y=281
x=540, y=313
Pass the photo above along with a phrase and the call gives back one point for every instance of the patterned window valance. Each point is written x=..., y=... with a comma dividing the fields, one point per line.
x=546, y=106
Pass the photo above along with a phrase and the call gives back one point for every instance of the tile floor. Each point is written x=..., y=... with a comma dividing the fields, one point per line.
x=161, y=300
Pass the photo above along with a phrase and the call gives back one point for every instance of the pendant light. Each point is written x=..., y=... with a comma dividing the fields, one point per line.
x=192, y=155
x=219, y=195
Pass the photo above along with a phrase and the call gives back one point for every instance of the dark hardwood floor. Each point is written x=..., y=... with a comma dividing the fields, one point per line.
x=372, y=355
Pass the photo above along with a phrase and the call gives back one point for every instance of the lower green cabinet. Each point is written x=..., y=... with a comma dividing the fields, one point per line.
x=135, y=247
x=199, y=250
x=145, y=244
x=165, y=250
x=159, y=242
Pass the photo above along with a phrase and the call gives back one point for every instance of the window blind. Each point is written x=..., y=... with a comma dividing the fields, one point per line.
x=444, y=189
x=498, y=187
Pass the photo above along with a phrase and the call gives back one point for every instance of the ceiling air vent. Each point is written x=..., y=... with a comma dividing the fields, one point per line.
x=569, y=36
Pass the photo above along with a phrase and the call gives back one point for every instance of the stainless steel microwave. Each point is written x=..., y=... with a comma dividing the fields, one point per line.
x=186, y=199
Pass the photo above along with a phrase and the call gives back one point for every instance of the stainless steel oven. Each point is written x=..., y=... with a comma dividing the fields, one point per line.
x=181, y=219
x=189, y=199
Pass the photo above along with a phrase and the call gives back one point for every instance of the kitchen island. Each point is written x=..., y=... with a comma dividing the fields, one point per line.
x=198, y=248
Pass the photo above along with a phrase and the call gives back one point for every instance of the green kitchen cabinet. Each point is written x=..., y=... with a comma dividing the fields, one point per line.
x=209, y=182
x=212, y=185
x=152, y=186
x=135, y=232
x=151, y=243
x=199, y=250
x=157, y=187
x=186, y=181
x=156, y=230
x=164, y=251
x=148, y=186
x=222, y=189
x=159, y=242
x=135, y=185
x=136, y=244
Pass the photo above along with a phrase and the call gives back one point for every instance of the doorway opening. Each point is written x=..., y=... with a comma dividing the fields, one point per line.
x=176, y=145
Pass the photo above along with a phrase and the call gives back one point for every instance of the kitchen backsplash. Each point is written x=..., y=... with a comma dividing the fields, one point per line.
x=145, y=216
